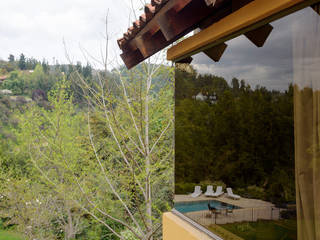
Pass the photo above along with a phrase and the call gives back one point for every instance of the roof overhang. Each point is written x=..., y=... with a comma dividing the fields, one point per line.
x=250, y=20
x=165, y=21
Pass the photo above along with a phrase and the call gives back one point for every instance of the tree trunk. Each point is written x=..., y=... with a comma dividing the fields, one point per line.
x=148, y=163
x=70, y=233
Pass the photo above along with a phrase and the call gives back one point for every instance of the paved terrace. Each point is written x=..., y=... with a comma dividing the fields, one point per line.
x=250, y=210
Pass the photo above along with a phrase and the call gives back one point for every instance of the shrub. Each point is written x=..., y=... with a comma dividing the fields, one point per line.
x=184, y=188
x=289, y=214
x=252, y=192
x=256, y=192
x=215, y=184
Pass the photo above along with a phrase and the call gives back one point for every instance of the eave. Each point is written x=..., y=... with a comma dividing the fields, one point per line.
x=164, y=22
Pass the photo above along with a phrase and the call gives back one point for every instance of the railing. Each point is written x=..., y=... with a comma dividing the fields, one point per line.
x=207, y=218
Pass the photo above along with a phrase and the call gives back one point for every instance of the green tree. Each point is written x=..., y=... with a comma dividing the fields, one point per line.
x=22, y=62
x=117, y=171
x=31, y=63
x=87, y=71
x=45, y=66
x=11, y=58
x=16, y=83
x=39, y=79
x=130, y=132
x=55, y=145
x=240, y=139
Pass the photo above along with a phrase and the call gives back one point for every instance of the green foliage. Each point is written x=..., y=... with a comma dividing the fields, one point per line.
x=22, y=62
x=15, y=83
x=252, y=192
x=264, y=230
x=128, y=235
x=97, y=231
x=215, y=184
x=135, y=117
x=28, y=75
x=239, y=135
x=46, y=149
x=6, y=67
x=11, y=58
x=28, y=210
x=50, y=142
x=225, y=234
x=9, y=236
x=24, y=83
x=184, y=188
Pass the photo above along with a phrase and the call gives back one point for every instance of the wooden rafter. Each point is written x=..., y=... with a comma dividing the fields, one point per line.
x=216, y=52
x=165, y=22
x=259, y=36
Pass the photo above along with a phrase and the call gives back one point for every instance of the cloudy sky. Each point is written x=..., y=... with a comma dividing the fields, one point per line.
x=270, y=66
x=37, y=27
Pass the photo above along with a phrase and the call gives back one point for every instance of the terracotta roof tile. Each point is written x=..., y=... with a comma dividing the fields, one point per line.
x=149, y=11
x=143, y=18
x=165, y=21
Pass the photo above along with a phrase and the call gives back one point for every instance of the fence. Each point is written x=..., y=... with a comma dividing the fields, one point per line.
x=207, y=218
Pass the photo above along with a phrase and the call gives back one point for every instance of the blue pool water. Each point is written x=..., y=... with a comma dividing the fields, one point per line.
x=185, y=207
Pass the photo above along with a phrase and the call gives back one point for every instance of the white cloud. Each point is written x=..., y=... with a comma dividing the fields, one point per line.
x=38, y=27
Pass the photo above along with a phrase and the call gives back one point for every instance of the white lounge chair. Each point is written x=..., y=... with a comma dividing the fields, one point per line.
x=197, y=192
x=209, y=191
x=230, y=194
x=218, y=192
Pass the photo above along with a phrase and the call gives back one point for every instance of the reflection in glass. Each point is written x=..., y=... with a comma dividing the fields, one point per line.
x=306, y=74
x=235, y=129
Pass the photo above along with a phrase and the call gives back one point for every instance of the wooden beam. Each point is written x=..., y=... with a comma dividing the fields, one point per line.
x=149, y=44
x=216, y=52
x=167, y=23
x=218, y=15
x=186, y=60
x=178, y=19
x=130, y=58
x=247, y=18
x=237, y=4
x=259, y=36
x=179, y=5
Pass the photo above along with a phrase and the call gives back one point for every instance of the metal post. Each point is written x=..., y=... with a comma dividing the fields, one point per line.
x=252, y=214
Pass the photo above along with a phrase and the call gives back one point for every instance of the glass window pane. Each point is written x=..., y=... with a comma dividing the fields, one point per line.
x=235, y=129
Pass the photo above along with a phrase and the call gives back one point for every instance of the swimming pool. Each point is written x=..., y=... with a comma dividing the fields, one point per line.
x=185, y=207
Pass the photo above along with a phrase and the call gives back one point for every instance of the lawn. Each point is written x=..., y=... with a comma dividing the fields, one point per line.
x=264, y=230
x=9, y=236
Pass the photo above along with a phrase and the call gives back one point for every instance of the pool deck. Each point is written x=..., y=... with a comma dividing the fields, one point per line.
x=250, y=210
x=242, y=202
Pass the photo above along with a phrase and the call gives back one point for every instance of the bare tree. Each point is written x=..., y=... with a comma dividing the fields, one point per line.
x=124, y=174
x=138, y=121
x=135, y=108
